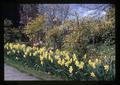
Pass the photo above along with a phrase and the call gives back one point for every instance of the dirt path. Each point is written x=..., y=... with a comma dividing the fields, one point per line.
x=11, y=73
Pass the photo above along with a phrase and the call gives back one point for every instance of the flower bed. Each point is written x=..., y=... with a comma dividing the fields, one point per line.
x=66, y=64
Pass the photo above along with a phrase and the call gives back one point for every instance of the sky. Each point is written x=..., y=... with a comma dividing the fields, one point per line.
x=82, y=11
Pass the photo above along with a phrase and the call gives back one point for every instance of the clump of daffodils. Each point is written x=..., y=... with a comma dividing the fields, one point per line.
x=60, y=59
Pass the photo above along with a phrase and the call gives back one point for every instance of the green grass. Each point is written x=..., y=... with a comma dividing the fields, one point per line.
x=38, y=74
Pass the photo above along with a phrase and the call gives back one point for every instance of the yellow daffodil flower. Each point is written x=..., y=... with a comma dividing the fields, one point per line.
x=92, y=64
x=16, y=58
x=67, y=64
x=18, y=51
x=71, y=69
x=26, y=53
x=41, y=57
x=74, y=57
x=8, y=52
x=13, y=51
x=51, y=60
x=92, y=74
x=85, y=56
x=106, y=67
x=77, y=63
x=81, y=65
x=59, y=61
x=49, y=57
x=89, y=61
x=41, y=62
x=7, y=48
x=51, y=52
x=67, y=57
x=56, y=56
x=46, y=54
x=24, y=56
x=23, y=45
x=34, y=54
x=71, y=60
x=96, y=61
x=30, y=54
x=63, y=62
x=57, y=51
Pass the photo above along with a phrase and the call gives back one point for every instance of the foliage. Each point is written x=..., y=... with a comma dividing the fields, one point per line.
x=11, y=34
x=34, y=26
x=55, y=36
x=61, y=63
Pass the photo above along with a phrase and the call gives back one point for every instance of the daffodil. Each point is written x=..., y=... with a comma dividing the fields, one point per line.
x=67, y=57
x=41, y=57
x=67, y=64
x=18, y=51
x=81, y=65
x=96, y=61
x=16, y=58
x=27, y=50
x=56, y=56
x=41, y=62
x=23, y=45
x=71, y=60
x=74, y=57
x=89, y=61
x=51, y=52
x=30, y=54
x=92, y=74
x=62, y=62
x=59, y=61
x=7, y=48
x=77, y=63
x=34, y=48
x=71, y=69
x=92, y=64
x=35, y=53
x=49, y=57
x=51, y=60
x=10, y=45
x=26, y=53
x=106, y=67
x=46, y=54
x=41, y=50
x=85, y=56
x=13, y=51
x=24, y=56
x=57, y=51
x=8, y=52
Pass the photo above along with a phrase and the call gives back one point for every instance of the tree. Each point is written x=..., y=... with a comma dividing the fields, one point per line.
x=53, y=13
x=34, y=29
x=28, y=12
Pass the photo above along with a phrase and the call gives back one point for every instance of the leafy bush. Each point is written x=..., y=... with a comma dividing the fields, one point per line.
x=35, y=28
x=54, y=37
